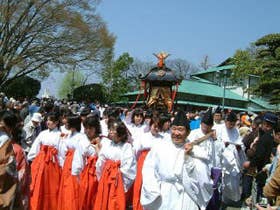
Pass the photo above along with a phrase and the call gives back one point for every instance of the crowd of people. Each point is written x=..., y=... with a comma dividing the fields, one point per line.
x=59, y=155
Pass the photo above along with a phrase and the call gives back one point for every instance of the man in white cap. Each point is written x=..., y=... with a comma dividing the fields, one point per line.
x=32, y=130
x=172, y=178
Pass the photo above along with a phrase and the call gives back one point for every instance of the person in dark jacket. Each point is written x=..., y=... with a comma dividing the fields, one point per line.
x=264, y=145
x=250, y=152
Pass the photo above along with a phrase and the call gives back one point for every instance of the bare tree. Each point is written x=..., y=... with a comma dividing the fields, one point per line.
x=137, y=69
x=205, y=63
x=182, y=68
x=37, y=36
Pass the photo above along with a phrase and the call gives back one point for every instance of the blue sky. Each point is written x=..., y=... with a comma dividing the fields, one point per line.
x=187, y=29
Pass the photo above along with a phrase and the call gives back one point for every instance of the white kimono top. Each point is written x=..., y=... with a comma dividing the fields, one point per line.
x=122, y=152
x=84, y=150
x=135, y=131
x=205, y=150
x=146, y=141
x=64, y=130
x=166, y=134
x=49, y=138
x=104, y=127
x=78, y=142
x=231, y=162
x=172, y=180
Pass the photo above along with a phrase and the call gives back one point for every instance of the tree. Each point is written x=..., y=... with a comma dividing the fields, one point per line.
x=137, y=68
x=91, y=92
x=22, y=87
x=38, y=36
x=205, y=63
x=269, y=56
x=182, y=68
x=263, y=61
x=71, y=81
x=114, y=77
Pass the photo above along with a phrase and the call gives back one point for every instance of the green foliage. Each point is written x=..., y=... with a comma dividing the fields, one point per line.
x=115, y=77
x=91, y=92
x=71, y=81
x=38, y=36
x=272, y=41
x=23, y=87
x=265, y=63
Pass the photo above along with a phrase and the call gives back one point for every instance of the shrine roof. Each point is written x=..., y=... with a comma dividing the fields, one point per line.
x=160, y=74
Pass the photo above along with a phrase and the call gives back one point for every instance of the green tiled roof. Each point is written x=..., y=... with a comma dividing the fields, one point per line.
x=214, y=69
x=195, y=87
x=201, y=79
x=207, y=89
x=264, y=103
x=208, y=105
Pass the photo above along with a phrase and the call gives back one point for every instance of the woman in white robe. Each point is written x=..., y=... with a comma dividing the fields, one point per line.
x=116, y=162
x=72, y=146
x=136, y=126
x=46, y=166
x=142, y=147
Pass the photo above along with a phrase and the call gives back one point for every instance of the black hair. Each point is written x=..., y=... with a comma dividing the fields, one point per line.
x=136, y=112
x=231, y=117
x=74, y=121
x=65, y=112
x=53, y=116
x=257, y=120
x=121, y=129
x=277, y=127
x=93, y=122
x=13, y=121
x=149, y=113
x=9, y=118
x=113, y=113
x=154, y=120
x=163, y=118
x=48, y=106
x=85, y=112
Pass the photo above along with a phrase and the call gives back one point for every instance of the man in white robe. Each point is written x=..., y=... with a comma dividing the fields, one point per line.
x=206, y=152
x=232, y=157
x=172, y=179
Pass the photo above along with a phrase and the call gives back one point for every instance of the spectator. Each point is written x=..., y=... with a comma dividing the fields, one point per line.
x=264, y=145
x=32, y=130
